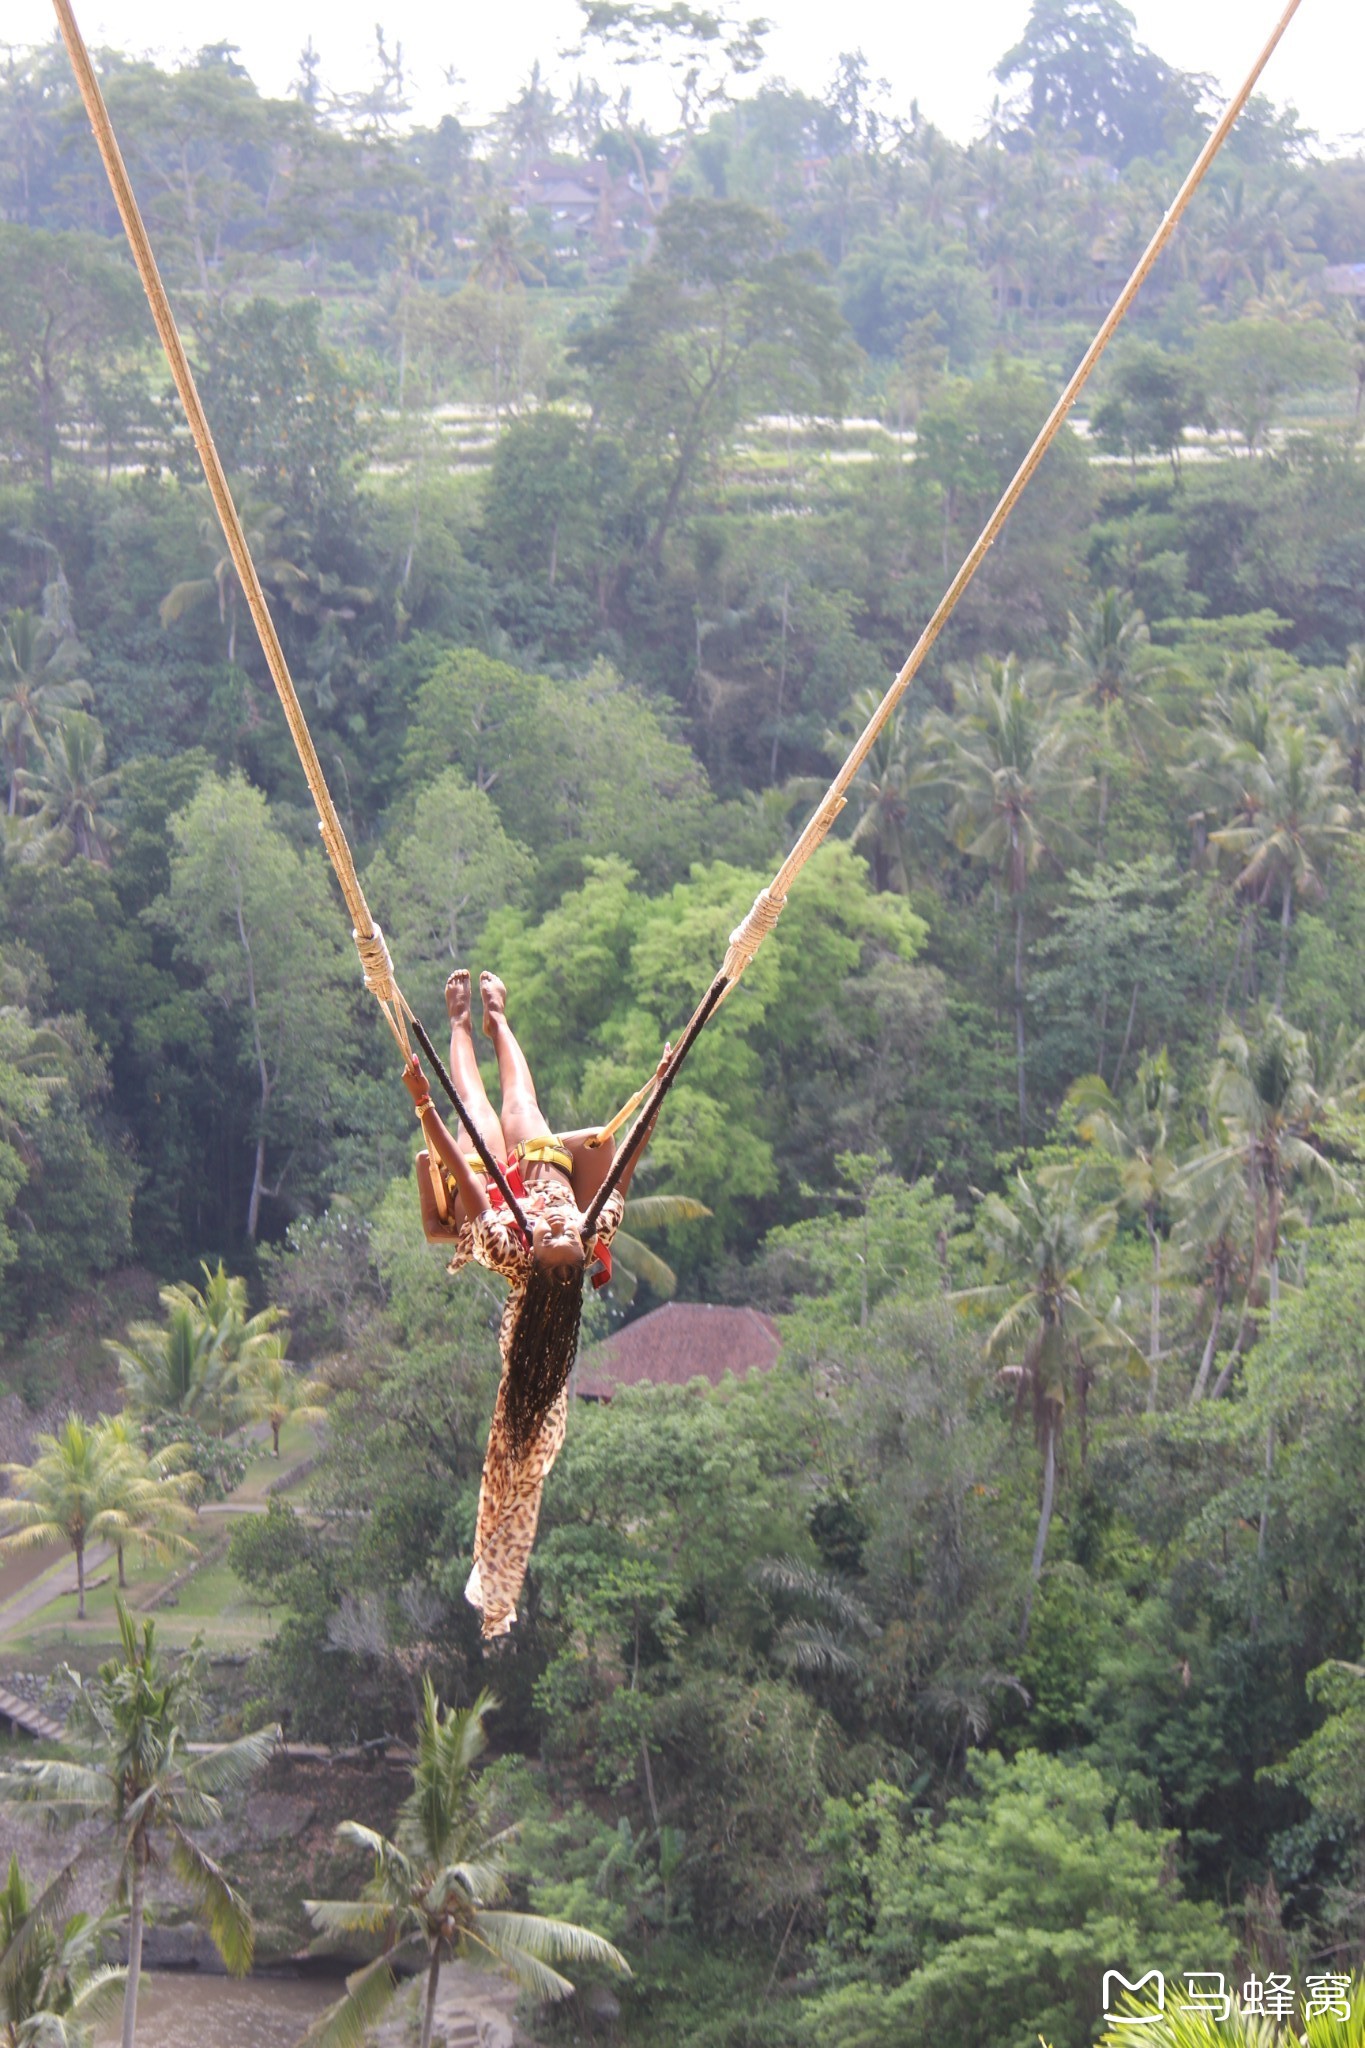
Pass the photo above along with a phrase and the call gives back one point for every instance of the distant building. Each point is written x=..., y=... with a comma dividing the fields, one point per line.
x=681, y=1342
x=1345, y=281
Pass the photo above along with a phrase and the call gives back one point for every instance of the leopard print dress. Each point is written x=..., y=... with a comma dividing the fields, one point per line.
x=509, y=1495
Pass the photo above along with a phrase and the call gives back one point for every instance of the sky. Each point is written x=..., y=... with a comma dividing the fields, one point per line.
x=940, y=55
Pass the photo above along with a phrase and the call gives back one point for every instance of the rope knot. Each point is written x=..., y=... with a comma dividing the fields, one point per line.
x=376, y=964
x=748, y=936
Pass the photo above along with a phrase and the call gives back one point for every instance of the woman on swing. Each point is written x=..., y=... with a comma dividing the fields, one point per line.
x=554, y=1178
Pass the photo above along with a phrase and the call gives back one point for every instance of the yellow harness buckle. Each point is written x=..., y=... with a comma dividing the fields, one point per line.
x=544, y=1152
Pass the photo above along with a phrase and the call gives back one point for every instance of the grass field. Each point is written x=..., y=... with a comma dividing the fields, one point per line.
x=38, y=1625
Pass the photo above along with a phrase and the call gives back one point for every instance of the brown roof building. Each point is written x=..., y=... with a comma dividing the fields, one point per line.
x=683, y=1341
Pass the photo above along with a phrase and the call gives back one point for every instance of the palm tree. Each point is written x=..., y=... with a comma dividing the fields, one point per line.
x=1136, y=1133
x=267, y=537
x=1108, y=664
x=73, y=792
x=435, y=1886
x=130, y=1728
x=88, y=1485
x=1288, y=822
x=165, y=1507
x=633, y=1261
x=195, y=1363
x=1048, y=1250
x=883, y=790
x=1212, y=1238
x=171, y=1369
x=1344, y=714
x=36, y=685
x=273, y=1392
x=1007, y=761
x=221, y=1309
x=1250, y=231
x=53, y=1986
x=1276, y=1126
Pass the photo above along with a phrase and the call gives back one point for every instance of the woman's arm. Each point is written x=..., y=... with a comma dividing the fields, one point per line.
x=470, y=1187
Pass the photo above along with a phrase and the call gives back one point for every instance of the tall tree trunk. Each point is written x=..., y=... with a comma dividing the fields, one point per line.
x=429, y=2002
x=1104, y=808
x=253, y=1207
x=1224, y=1379
x=781, y=672
x=1286, y=912
x=253, y=1212
x=1154, y=1320
x=1127, y=1036
x=1044, y=1524
x=1270, y=1426
x=1210, y=1347
x=136, y=1886
x=80, y=1578
x=1019, y=1008
x=123, y=1583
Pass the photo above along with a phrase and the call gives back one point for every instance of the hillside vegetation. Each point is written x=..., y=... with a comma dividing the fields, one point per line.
x=600, y=480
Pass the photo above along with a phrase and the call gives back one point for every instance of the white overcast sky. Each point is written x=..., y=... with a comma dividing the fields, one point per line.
x=940, y=54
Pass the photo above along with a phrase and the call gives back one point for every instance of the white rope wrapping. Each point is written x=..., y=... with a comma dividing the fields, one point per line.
x=377, y=964
x=749, y=934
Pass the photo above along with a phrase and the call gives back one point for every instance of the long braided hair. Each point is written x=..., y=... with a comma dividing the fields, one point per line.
x=542, y=1348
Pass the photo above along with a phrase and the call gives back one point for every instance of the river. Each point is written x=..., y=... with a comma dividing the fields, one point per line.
x=184, y=2009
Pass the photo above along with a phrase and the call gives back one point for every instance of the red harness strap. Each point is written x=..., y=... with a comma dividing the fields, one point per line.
x=512, y=1169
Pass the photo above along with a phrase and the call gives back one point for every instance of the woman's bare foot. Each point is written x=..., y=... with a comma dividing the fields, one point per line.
x=494, y=1002
x=457, y=997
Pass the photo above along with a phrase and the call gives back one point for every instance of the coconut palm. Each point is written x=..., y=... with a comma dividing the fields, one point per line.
x=222, y=1306
x=1344, y=715
x=1275, y=1126
x=53, y=1986
x=1108, y=667
x=164, y=1511
x=1007, y=760
x=36, y=685
x=268, y=536
x=1213, y=1235
x=195, y=1362
x=85, y=1486
x=1288, y=821
x=272, y=1391
x=130, y=1728
x=72, y=791
x=502, y=255
x=1250, y=230
x=633, y=1261
x=171, y=1369
x=883, y=790
x=1047, y=1249
x=1136, y=1133
x=435, y=1886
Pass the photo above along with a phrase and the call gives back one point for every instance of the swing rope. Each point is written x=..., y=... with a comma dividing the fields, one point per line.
x=767, y=907
x=376, y=964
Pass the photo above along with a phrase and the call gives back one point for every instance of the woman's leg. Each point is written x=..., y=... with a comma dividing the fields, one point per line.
x=522, y=1116
x=464, y=1067
x=591, y=1163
